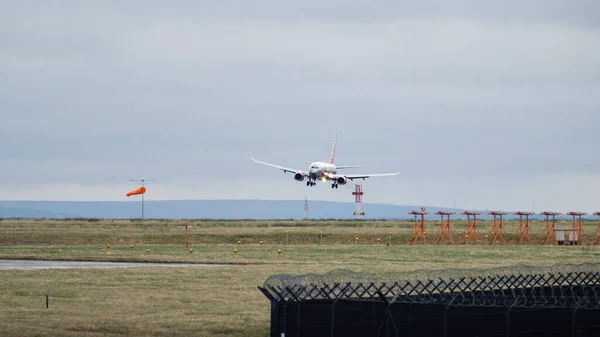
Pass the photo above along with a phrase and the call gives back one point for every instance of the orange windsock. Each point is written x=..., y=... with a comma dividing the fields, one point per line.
x=140, y=190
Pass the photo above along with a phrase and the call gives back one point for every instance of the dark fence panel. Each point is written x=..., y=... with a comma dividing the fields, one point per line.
x=525, y=305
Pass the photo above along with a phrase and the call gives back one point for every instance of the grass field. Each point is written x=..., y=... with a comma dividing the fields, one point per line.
x=216, y=301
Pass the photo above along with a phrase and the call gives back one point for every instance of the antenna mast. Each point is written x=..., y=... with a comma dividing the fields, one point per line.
x=305, y=209
x=142, y=180
x=358, y=193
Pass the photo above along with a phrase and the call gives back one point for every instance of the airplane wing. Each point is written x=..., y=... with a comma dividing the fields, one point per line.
x=364, y=176
x=284, y=169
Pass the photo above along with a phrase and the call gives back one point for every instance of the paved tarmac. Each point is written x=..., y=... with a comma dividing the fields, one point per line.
x=39, y=264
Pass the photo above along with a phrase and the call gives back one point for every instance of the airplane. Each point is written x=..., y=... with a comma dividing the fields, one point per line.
x=324, y=171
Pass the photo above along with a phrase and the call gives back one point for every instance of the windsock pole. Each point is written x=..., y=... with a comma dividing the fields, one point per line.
x=142, y=180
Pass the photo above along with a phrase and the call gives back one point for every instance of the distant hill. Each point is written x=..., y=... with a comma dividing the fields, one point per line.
x=210, y=209
x=199, y=209
x=10, y=212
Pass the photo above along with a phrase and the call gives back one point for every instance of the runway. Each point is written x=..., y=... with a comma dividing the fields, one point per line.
x=40, y=264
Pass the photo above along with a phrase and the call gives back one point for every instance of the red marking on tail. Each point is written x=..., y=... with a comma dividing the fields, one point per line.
x=332, y=157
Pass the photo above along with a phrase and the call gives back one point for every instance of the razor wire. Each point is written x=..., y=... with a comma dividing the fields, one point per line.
x=556, y=286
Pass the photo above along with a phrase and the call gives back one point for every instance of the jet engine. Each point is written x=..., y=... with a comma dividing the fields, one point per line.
x=341, y=180
x=299, y=176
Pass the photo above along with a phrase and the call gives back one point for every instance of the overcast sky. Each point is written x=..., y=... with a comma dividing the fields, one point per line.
x=478, y=104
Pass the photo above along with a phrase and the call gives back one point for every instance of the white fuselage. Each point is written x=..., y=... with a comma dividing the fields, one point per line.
x=319, y=170
x=324, y=171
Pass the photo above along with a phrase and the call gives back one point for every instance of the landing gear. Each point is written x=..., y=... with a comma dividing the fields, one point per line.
x=334, y=185
x=310, y=183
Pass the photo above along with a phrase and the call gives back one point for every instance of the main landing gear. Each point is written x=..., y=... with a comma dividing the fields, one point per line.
x=313, y=183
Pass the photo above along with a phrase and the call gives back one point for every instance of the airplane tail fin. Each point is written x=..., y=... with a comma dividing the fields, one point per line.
x=332, y=157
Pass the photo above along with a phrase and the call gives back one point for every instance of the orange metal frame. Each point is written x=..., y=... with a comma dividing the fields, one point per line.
x=445, y=232
x=471, y=228
x=576, y=228
x=419, y=227
x=549, y=233
x=497, y=229
x=185, y=235
x=598, y=231
x=524, y=227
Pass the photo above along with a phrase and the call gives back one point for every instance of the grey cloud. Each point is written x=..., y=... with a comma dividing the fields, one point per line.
x=98, y=93
x=572, y=12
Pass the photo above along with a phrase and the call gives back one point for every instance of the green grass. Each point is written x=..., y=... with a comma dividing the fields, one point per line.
x=170, y=232
x=216, y=301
